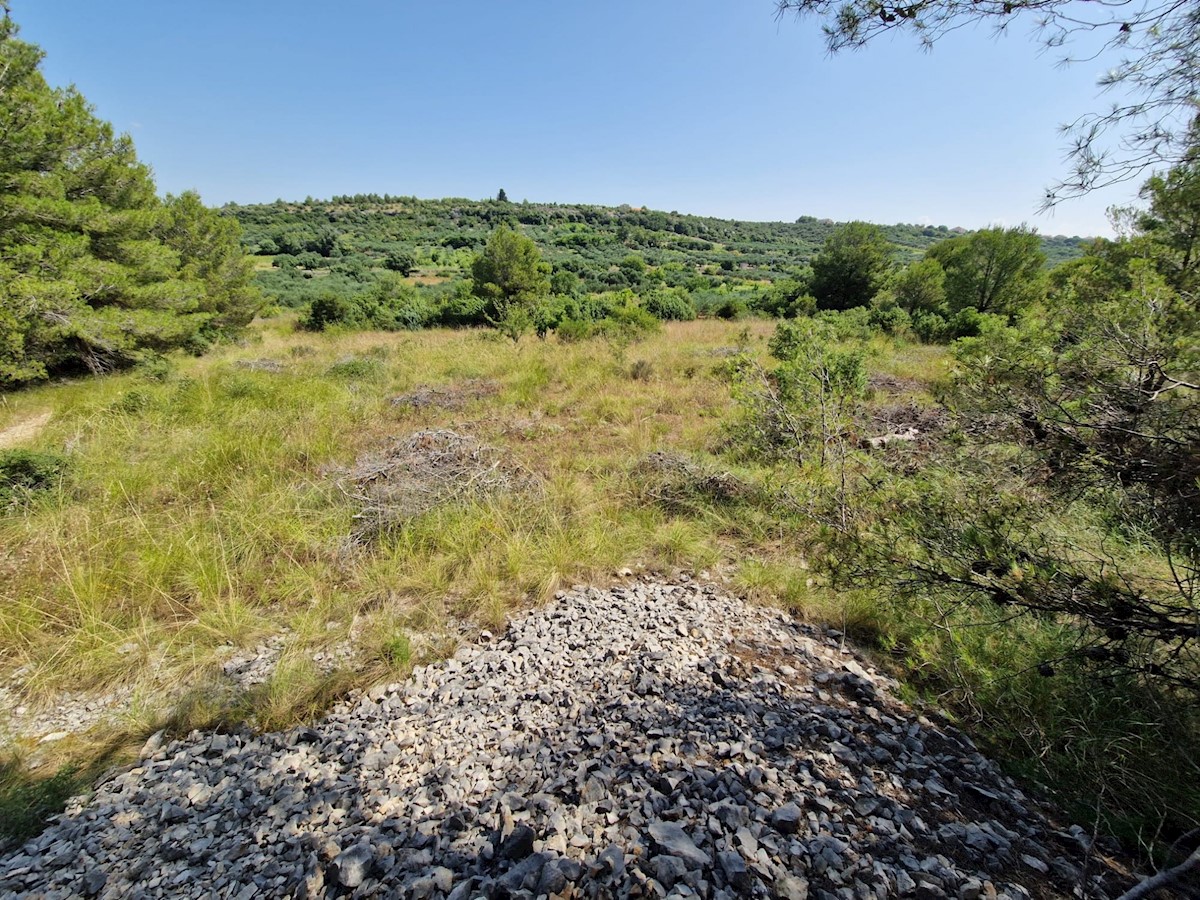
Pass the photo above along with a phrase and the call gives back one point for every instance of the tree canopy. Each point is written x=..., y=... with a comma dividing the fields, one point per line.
x=95, y=270
x=509, y=272
x=997, y=270
x=851, y=266
x=1157, y=75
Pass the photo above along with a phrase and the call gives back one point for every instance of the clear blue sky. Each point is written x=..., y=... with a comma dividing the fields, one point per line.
x=710, y=106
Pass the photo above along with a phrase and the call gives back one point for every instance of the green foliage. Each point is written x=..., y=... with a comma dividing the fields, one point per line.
x=890, y=318
x=787, y=299
x=509, y=274
x=592, y=249
x=397, y=649
x=23, y=472
x=851, y=266
x=462, y=307
x=920, y=286
x=731, y=308
x=400, y=261
x=330, y=309
x=670, y=305
x=998, y=270
x=388, y=304
x=357, y=368
x=1043, y=566
x=848, y=324
x=27, y=803
x=95, y=271
x=802, y=410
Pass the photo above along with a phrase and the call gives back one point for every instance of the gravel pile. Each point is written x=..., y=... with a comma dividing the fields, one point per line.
x=652, y=740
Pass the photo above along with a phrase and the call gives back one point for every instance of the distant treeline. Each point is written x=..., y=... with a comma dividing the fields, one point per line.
x=348, y=238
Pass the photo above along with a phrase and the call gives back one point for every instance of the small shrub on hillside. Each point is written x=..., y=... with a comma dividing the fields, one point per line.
x=670, y=305
x=133, y=401
x=356, y=368
x=397, y=649
x=26, y=803
x=786, y=299
x=327, y=310
x=550, y=312
x=461, y=308
x=572, y=331
x=626, y=323
x=23, y=472
x=890, y=319
x=852, y=324
x=641, y=370
x=730, y=309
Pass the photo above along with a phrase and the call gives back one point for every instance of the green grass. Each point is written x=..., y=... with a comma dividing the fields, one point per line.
x=201, y=508
x=199, y=511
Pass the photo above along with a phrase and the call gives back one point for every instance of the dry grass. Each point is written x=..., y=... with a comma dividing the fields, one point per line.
x=203, y=512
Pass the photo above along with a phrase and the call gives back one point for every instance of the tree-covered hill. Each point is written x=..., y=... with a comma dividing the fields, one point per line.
x=606, y=248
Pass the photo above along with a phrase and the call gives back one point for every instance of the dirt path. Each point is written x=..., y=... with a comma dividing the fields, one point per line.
x=24, y=430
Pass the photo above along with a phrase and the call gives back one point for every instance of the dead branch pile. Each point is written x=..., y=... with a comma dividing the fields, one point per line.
x=425, y=470
x=677, y=482
x=450, y=396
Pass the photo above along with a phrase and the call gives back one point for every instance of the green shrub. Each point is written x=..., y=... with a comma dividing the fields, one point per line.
x=461, y=308
x=330, y=309
x=627, y=322
x=23, y=472
x=27, y=803
x=356, y=368
x=890, y=319
x=571, y=331
x=670, y=305
x=848, y=324
x=731, y=308
x=930, y=327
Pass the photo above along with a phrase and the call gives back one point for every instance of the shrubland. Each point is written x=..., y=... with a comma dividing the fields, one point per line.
x=981, y=467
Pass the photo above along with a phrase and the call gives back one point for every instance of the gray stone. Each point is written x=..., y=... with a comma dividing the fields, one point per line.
x=353, y=864
x=669, y=869
x=790, y=887
x=675, y=841
x=519, y=844
x=735, y=870
x=94, y=881
x=787, y=818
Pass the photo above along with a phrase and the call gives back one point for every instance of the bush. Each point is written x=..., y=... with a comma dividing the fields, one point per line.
x=890, y=319
x=730, y=309
x=670, y=306
x=848, y=324
x=628, y=322
x=330, y=309
x=462, y=308
x=397, y=308
x=572, y=331
x=356, y=368
x=23, y=472
x=786, y=299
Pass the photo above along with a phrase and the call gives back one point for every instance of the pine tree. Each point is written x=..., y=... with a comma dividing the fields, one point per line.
x=96, y=271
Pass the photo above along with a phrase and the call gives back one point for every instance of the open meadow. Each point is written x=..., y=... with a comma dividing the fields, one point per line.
x=215, y=509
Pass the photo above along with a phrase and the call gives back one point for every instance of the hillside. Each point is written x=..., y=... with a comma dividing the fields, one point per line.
x=345, y=238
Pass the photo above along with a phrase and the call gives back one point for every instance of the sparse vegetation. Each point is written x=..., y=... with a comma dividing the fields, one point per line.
x=1010, y=521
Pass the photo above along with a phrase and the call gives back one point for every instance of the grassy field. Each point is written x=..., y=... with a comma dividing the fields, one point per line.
x=206, y=508
x=358, y=503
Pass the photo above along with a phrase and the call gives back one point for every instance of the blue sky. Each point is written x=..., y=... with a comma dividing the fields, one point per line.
x=710, y=107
